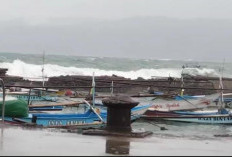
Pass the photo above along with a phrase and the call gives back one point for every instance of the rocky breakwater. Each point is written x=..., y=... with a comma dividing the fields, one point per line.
x=9, y=80
x=193, y=85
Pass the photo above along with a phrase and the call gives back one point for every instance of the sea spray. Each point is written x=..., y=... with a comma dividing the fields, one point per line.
x=30, y=67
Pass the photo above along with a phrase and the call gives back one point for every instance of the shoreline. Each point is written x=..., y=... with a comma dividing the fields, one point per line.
x=21, y=141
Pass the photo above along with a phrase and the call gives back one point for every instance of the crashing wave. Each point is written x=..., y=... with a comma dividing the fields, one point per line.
x=33, y=72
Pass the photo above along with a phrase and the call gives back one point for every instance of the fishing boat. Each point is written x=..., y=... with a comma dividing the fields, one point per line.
x=91, y=117
x=184, y=102
x=221, y=116
x=206, y=119
x=16, y=113
x=36, y=98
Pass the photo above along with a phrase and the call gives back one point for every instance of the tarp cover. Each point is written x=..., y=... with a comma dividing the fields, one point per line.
x=15, y=108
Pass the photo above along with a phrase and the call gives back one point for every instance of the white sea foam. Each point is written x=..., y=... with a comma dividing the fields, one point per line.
x=201, y=72
x=7, y=98
x=33, y=72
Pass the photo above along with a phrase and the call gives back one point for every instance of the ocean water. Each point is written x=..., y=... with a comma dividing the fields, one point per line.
x=30, y=66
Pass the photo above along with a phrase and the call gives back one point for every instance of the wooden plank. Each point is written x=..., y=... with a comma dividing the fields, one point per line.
x=145, y=85
x=103, y=96
x=137, y=95
x=58, y=104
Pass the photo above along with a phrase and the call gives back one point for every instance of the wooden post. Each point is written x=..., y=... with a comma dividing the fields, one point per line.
x=112, y=88
x=29, y=97
x=117, y=147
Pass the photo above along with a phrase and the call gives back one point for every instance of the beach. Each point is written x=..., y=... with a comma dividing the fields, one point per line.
x=24, y=142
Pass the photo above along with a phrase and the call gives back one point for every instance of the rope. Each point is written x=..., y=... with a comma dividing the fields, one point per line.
x=161, y=128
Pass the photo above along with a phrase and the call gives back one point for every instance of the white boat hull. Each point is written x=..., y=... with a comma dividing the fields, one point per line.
x=217, y=119
x=174, y=105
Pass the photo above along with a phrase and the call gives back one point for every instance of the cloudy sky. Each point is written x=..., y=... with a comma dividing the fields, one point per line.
x=159, y=29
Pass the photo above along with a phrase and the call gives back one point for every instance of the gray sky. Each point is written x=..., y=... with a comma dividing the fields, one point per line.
x=163, y=29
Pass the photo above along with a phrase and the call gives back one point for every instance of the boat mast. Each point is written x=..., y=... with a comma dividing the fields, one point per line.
x=221, y=86
x=182, y=81
x=93, y=90
x=43, y=68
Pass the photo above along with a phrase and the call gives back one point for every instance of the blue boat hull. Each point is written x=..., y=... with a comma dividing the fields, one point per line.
x=68, y=120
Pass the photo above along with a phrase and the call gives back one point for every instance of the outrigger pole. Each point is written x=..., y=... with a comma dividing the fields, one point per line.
x=3, y=100
x=93, y=109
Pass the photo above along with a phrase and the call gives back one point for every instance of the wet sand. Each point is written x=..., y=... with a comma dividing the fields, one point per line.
x=23, y=142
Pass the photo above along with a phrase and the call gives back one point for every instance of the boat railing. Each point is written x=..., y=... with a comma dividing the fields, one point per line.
x=3, y=100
